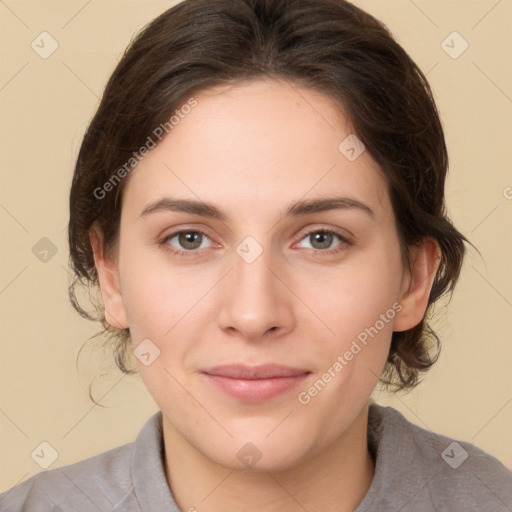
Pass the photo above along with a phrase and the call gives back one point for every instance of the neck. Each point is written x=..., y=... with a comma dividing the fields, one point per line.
x=336, y=479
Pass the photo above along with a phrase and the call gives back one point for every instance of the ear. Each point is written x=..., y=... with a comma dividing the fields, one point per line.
x=417, y=284
x=108, y=276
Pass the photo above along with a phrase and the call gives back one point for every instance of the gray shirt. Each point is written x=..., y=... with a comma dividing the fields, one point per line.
x=416, y=470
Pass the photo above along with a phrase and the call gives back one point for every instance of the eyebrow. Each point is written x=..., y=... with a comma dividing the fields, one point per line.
x=299, y=208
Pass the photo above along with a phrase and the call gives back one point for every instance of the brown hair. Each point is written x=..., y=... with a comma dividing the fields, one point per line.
x=327, y=45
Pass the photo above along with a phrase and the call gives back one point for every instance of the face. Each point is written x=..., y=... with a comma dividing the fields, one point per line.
x=270, y=279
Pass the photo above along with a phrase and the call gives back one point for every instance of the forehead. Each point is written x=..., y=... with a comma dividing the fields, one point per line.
x=257, y=144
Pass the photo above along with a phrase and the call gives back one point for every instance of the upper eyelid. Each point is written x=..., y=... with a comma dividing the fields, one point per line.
x=335, y=231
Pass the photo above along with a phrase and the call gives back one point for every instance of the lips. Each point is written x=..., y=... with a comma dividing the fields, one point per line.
x=255, y=383
x=266, y=371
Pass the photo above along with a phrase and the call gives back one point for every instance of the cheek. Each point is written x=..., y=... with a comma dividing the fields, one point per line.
x=157, y=296
x=354, y=297
x=360, y=309
x=151, y=308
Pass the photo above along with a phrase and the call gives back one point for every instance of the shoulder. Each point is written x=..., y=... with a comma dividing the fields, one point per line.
x=436, y=470
x=95, y=483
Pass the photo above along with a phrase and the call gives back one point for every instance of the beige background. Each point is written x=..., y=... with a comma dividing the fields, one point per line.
x=46, y=105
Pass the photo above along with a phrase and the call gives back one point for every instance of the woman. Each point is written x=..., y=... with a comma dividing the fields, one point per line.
x=260, y=198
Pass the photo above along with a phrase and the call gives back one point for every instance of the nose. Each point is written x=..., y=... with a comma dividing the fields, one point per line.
x=255, y=302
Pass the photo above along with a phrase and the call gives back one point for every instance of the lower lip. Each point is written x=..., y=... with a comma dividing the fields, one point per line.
x=255, y=390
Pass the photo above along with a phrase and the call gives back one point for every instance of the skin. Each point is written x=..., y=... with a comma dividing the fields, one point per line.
x=251, y=150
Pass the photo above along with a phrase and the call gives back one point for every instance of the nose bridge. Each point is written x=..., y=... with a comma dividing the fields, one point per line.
x=254, y=300
x=251, y=269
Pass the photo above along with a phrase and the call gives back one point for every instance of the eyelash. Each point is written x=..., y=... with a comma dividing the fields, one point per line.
x=191, y=253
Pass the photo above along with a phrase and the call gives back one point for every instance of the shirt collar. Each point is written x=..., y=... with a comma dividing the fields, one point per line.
x=148, y=472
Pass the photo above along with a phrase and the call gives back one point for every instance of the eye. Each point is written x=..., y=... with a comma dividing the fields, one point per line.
x=322, y=240
x=185, y=241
